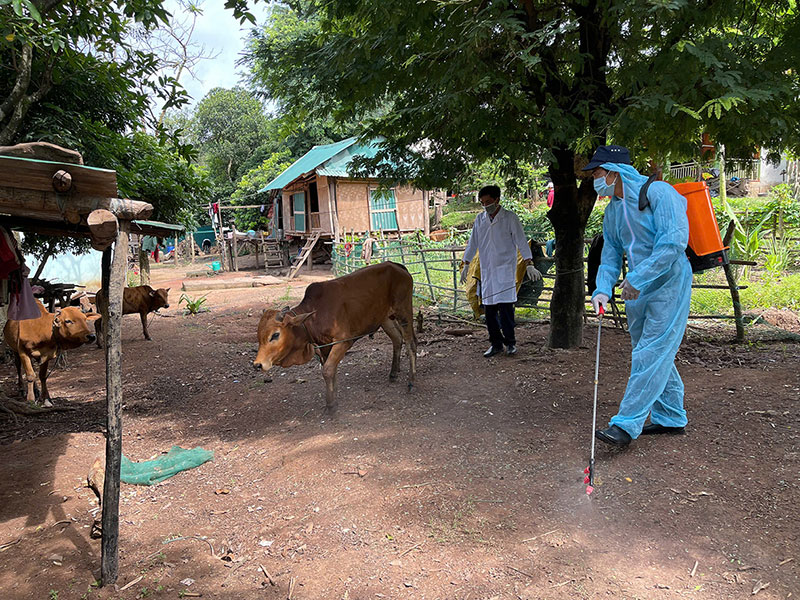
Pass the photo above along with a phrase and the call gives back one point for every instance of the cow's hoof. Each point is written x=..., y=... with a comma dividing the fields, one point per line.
x=392, y=377
x=47, y=403
x=330, y=410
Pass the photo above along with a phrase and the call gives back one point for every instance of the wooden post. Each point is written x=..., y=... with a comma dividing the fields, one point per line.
x=235, y=250
x=455, y=281
x=112, y=331
x=191, y=245
x=427, y=274
x=144, y=267
x=263, y=248
x=175, y=251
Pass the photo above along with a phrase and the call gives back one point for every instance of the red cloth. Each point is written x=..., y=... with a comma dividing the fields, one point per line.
x=551, y=194
x=8, y=256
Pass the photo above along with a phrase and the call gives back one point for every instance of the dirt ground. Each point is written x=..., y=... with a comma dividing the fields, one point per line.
x=468, y=488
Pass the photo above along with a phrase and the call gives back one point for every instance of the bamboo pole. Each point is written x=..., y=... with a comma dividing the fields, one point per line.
x=175, y=252
x=191, y=245
x=114, y=276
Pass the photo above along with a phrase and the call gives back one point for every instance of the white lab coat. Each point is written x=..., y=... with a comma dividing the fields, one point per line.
x=497, y=240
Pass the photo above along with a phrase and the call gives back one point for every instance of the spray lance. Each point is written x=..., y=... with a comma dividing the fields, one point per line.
x=589, y=471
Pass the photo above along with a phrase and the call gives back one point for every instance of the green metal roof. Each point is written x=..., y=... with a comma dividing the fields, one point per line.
x=338, y=166
x=156, y=228
x=308, y=163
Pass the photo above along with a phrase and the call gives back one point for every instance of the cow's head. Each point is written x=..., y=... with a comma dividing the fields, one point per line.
x=159, y=298
x=283, y=340
x=71, y=326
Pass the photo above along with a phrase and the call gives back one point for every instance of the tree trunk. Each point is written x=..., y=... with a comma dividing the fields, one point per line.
x=570, y=211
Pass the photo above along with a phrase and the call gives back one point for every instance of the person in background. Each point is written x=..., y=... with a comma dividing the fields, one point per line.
x=496, y=236
x=656, y=291
x=551, y=194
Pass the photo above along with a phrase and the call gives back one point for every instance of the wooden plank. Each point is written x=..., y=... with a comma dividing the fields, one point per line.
x=112, y=327
x=38, y=175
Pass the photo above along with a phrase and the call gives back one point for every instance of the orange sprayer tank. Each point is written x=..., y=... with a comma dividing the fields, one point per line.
x=705, y=243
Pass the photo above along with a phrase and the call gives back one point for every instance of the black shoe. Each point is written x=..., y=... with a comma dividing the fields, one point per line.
x=511, y=350
x=655, y=428
x=492, y=351
x=613, y=435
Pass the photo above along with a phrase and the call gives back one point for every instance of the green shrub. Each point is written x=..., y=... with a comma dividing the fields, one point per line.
x=193, y=305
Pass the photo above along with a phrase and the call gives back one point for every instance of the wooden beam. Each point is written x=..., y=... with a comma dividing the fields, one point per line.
x=112, y=327
x=49, y=206
x=55, y=228
x=37, y=175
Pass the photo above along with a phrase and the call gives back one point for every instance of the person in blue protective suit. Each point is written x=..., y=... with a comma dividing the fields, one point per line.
x=656, y=291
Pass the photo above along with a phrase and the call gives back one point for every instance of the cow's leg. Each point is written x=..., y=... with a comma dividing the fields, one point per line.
x=45, y=393
x=30, y=377
x=330, y=373
x=98, y=331
x=143, y=316
x=391, y=329
x=405, y=324
x=411, y=349
x=20, y=384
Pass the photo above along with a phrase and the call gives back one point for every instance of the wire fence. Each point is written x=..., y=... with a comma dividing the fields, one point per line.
x=436, y=273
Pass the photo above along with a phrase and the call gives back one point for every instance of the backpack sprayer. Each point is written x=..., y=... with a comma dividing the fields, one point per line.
x=705, y=249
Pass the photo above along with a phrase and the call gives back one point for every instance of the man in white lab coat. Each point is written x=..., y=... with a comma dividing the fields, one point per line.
x=497, y=235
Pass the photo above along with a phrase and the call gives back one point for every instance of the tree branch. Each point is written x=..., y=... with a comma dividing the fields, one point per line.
x=20, y=85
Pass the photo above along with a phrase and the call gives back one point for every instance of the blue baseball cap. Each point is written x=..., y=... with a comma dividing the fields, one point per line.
x=609, y=154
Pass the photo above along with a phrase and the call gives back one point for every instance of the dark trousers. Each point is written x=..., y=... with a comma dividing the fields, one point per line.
x=500, y=323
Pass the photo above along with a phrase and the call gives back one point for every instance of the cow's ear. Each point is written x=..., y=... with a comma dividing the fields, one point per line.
x=284, y=311
x=57, y=320
x=298, y=319
x=92, y=316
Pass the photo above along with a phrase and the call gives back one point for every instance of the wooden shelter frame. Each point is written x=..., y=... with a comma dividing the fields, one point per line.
x=33, y=199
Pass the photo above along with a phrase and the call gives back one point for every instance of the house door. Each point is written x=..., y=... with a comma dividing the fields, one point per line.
x=299, y=208
x=383, y=210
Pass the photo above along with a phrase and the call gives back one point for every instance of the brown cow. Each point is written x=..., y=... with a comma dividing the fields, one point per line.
x=44, y=339
x=333, y=315
x=141, y=299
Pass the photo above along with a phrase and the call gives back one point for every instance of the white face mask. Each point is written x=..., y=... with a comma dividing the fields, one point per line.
x=491, y=208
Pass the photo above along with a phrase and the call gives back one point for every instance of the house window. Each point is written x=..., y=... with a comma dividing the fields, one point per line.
x=382, y=210
x=299, y=208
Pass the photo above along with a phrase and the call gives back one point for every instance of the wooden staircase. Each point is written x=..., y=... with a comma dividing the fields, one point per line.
x=274, y=255
x=303, y=255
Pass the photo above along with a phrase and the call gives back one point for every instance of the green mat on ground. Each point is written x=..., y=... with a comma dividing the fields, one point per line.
x=149, y=472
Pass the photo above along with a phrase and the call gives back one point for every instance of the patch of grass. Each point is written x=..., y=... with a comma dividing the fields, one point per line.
x=763, y=293
x=453, y=527
x=53, y=595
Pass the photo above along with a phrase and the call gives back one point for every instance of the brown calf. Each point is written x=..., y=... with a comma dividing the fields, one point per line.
x=44, y=339
x=333, y=315
x=141, y=299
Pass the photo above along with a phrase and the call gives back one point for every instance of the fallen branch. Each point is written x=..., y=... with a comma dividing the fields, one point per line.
x=131, y=583
x=540, y=535
x=519, y=571
x=267, y=575
x=414, y=547
x=7, y=545
x=192, y=537
x=414, y=485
